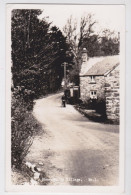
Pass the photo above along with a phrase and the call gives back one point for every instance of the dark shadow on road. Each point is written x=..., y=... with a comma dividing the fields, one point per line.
x=92, y=167
x=105, y=128
x=83, y=122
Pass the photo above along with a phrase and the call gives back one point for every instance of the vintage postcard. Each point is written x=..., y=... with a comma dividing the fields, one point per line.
x=65, y=89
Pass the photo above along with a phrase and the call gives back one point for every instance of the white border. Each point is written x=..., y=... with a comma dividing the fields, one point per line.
x=68, y=189
x=2, y=90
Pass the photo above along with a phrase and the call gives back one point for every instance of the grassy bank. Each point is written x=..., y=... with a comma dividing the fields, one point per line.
x=24, y=127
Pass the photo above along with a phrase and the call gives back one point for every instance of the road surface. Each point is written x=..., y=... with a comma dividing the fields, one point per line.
x=71, y=149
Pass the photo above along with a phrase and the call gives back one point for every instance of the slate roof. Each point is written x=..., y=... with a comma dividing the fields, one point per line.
x=103, y=66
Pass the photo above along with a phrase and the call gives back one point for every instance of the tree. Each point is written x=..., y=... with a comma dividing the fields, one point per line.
x=28, y=36
x=70, y=31
x=37, y=52
x=84, y=35
x=76, y=36
x=75, y=33
x=86, y=28
x=59, y=48
x=110, y=42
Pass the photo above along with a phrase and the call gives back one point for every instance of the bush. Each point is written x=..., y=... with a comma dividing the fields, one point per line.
x=95, y=104
x=87, y=104
x=23, y=126
x=24, y=95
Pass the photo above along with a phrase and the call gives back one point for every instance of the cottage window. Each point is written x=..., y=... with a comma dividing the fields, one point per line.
x=92, y=79
x=93, y=95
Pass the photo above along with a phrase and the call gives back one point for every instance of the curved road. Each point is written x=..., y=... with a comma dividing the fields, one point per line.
x=71, y=149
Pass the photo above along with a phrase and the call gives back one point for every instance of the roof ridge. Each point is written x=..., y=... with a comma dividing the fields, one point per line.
x=103, y=66
x=106, y=73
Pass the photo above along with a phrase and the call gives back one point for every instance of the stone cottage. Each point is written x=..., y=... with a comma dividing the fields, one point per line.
x=99, y=81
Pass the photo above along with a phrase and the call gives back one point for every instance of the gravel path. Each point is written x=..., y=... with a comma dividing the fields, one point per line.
x=73, y=150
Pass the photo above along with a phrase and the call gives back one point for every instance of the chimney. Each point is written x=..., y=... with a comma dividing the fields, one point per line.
x=84, y=55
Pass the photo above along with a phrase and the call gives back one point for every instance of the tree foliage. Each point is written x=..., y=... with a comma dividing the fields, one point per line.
x=37, y=52
x=84, y=35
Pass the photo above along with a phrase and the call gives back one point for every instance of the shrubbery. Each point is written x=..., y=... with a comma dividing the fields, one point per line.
x=95, y=104
x=23, y=125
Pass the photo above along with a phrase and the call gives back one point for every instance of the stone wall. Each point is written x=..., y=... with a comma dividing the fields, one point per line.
x=86, y=86
x=112, y=94
x=106, y=87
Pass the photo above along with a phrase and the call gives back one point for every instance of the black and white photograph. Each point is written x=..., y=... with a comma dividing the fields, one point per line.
x=65, y=88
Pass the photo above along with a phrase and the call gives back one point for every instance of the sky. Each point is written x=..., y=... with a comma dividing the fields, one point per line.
x=108, y=16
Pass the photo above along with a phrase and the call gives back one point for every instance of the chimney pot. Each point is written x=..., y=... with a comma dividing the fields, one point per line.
x=84, y=50
x=84, y=55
